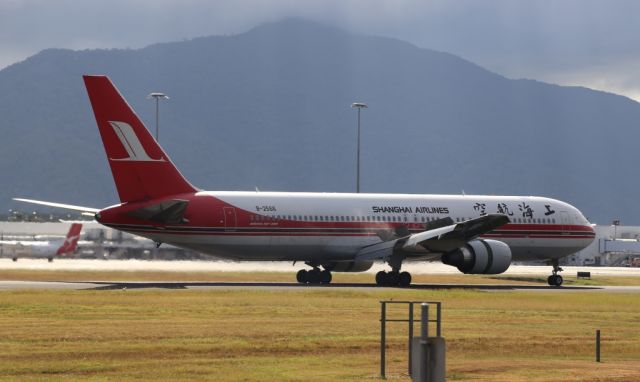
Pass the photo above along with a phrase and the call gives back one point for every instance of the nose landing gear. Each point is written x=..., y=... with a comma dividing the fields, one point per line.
x=555, y=279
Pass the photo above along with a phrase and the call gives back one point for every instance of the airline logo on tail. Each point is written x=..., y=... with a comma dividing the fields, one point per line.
x=71, y=241
x=131, y=143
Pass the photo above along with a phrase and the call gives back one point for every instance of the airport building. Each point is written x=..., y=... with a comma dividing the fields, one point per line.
x=615, y=245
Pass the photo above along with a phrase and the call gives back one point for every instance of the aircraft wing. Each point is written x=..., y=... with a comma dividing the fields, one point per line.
x=85, y=210
x=436, y=240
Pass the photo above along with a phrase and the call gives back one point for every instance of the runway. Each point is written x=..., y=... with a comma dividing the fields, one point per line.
x=256, y=267
x=415, y=268
x=146, y=285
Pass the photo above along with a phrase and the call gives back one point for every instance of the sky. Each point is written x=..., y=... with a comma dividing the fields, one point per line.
x=592, y=43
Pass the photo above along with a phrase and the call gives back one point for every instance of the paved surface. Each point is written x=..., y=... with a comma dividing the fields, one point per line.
x=228, y=266
x=106, y=285
x=416, y=268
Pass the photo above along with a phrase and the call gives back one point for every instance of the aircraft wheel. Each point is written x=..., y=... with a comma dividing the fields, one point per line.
x=325, y=277
x=392, y=279
x=14, y=258
x=404, y=279
x=301, y=276
x=381, y=278
x=50, y=259
x=314, y=276
x=558, y=280
x=555, y=280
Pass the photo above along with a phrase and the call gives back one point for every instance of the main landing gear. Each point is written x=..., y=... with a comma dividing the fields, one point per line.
x=395, y=277
x=555, y=279
x=314, y=276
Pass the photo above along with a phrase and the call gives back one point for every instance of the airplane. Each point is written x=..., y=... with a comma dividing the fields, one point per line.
x=44, y=248
x=329, y=232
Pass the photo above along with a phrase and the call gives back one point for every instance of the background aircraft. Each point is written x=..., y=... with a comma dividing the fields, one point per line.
x=42, y=248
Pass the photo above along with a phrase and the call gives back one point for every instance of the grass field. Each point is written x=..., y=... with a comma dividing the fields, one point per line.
x=306, y=334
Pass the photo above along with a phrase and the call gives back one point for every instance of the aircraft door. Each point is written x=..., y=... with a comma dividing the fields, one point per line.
x=230, y=220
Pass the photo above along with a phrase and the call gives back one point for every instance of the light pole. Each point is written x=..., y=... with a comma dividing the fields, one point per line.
x=359, y=106
x=157, y=96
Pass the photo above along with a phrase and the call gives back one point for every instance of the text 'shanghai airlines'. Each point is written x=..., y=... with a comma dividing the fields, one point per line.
x=330, y=232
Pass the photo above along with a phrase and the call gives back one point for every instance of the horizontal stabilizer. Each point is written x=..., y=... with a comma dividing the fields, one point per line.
x=85, y=210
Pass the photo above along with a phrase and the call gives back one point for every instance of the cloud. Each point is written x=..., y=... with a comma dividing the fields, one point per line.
x=578, y=39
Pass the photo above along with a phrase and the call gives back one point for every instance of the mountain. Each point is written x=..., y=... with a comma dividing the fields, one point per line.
x=271, y=108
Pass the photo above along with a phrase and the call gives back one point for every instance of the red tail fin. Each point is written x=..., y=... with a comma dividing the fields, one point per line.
x=140, y=168
x=71, y=241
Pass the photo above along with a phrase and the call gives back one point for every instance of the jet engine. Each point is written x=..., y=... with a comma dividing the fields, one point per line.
x=480, y=257
x=348, y=266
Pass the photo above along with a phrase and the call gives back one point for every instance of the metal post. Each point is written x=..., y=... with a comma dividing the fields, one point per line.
x=358, y=165
x=157, y=119
x=439, y=319
x=383, y=318
x=359, y=106
x=424, y=330
x=410, y=334
x=424, y=338
x=157, y=97
x=598, y=345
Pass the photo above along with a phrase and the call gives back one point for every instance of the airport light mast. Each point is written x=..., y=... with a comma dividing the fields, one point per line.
x=158, y=97
x=359, y=106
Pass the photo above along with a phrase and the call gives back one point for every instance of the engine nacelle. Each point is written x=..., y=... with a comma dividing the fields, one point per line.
x=480, y=257
x=348, y=266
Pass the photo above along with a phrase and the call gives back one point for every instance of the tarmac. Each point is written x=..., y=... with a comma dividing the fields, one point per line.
x=416, y=268
x=229, y=266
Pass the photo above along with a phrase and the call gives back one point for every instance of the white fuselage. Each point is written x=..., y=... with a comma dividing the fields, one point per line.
x=328, y=226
